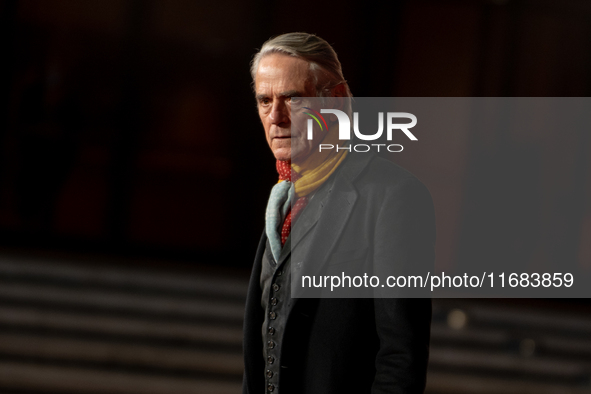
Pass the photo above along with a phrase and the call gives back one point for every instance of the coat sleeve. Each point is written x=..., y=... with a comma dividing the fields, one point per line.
x=404, y=244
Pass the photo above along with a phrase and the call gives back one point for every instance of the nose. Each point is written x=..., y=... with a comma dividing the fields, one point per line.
x=279, y=113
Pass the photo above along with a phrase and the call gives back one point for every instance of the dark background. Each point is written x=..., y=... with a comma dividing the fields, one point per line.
x=129, y=127
x=129, y=133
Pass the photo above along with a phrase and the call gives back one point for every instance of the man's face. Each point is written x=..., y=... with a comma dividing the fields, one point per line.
x=278, y=79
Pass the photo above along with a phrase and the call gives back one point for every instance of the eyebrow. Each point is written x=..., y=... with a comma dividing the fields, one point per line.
x=289, y=93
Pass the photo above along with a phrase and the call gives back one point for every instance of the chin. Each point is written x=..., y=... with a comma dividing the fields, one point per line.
x=282, y=155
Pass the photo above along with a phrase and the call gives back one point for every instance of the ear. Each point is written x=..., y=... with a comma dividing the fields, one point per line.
x=339, y=91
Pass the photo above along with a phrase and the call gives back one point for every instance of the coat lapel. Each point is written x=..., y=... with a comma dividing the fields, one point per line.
x=309, y=216
x=330, y=215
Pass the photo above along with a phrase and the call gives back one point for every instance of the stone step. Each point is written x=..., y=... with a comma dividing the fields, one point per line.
x=71, y=380
x=46, y=320
x=448, y=383
x=97, y=353
x=121, y=301
x=68, y=327
x=110, y=276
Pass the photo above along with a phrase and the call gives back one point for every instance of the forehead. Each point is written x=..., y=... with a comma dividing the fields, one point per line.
x=278, y=72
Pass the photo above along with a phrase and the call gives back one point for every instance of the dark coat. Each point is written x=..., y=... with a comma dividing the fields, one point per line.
x=354, y=345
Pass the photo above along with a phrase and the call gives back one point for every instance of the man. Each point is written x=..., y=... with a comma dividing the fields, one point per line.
x=333, y=199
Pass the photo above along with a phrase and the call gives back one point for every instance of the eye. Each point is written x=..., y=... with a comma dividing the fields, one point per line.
x=264, y=102
x=294, y=100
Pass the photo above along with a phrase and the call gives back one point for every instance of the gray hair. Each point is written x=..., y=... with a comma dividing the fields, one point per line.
x=323, y=60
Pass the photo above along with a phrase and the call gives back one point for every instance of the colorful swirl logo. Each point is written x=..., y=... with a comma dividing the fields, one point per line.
x=316, y=119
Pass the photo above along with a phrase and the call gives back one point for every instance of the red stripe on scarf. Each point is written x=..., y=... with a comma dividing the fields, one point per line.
x=286, y=173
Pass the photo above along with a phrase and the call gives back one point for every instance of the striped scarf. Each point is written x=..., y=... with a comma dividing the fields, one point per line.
x=296, y=182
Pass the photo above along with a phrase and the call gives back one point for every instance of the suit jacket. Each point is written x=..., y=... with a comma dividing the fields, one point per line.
x=375, y=214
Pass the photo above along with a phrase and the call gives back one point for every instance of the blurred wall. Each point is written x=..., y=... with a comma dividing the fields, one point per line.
x=130, y=128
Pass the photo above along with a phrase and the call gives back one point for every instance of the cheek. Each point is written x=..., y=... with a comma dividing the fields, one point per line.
x=299, y=123
x=263, y=114
x=265, y=123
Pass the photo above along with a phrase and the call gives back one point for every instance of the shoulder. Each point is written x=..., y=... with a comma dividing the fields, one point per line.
x=383, y=177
